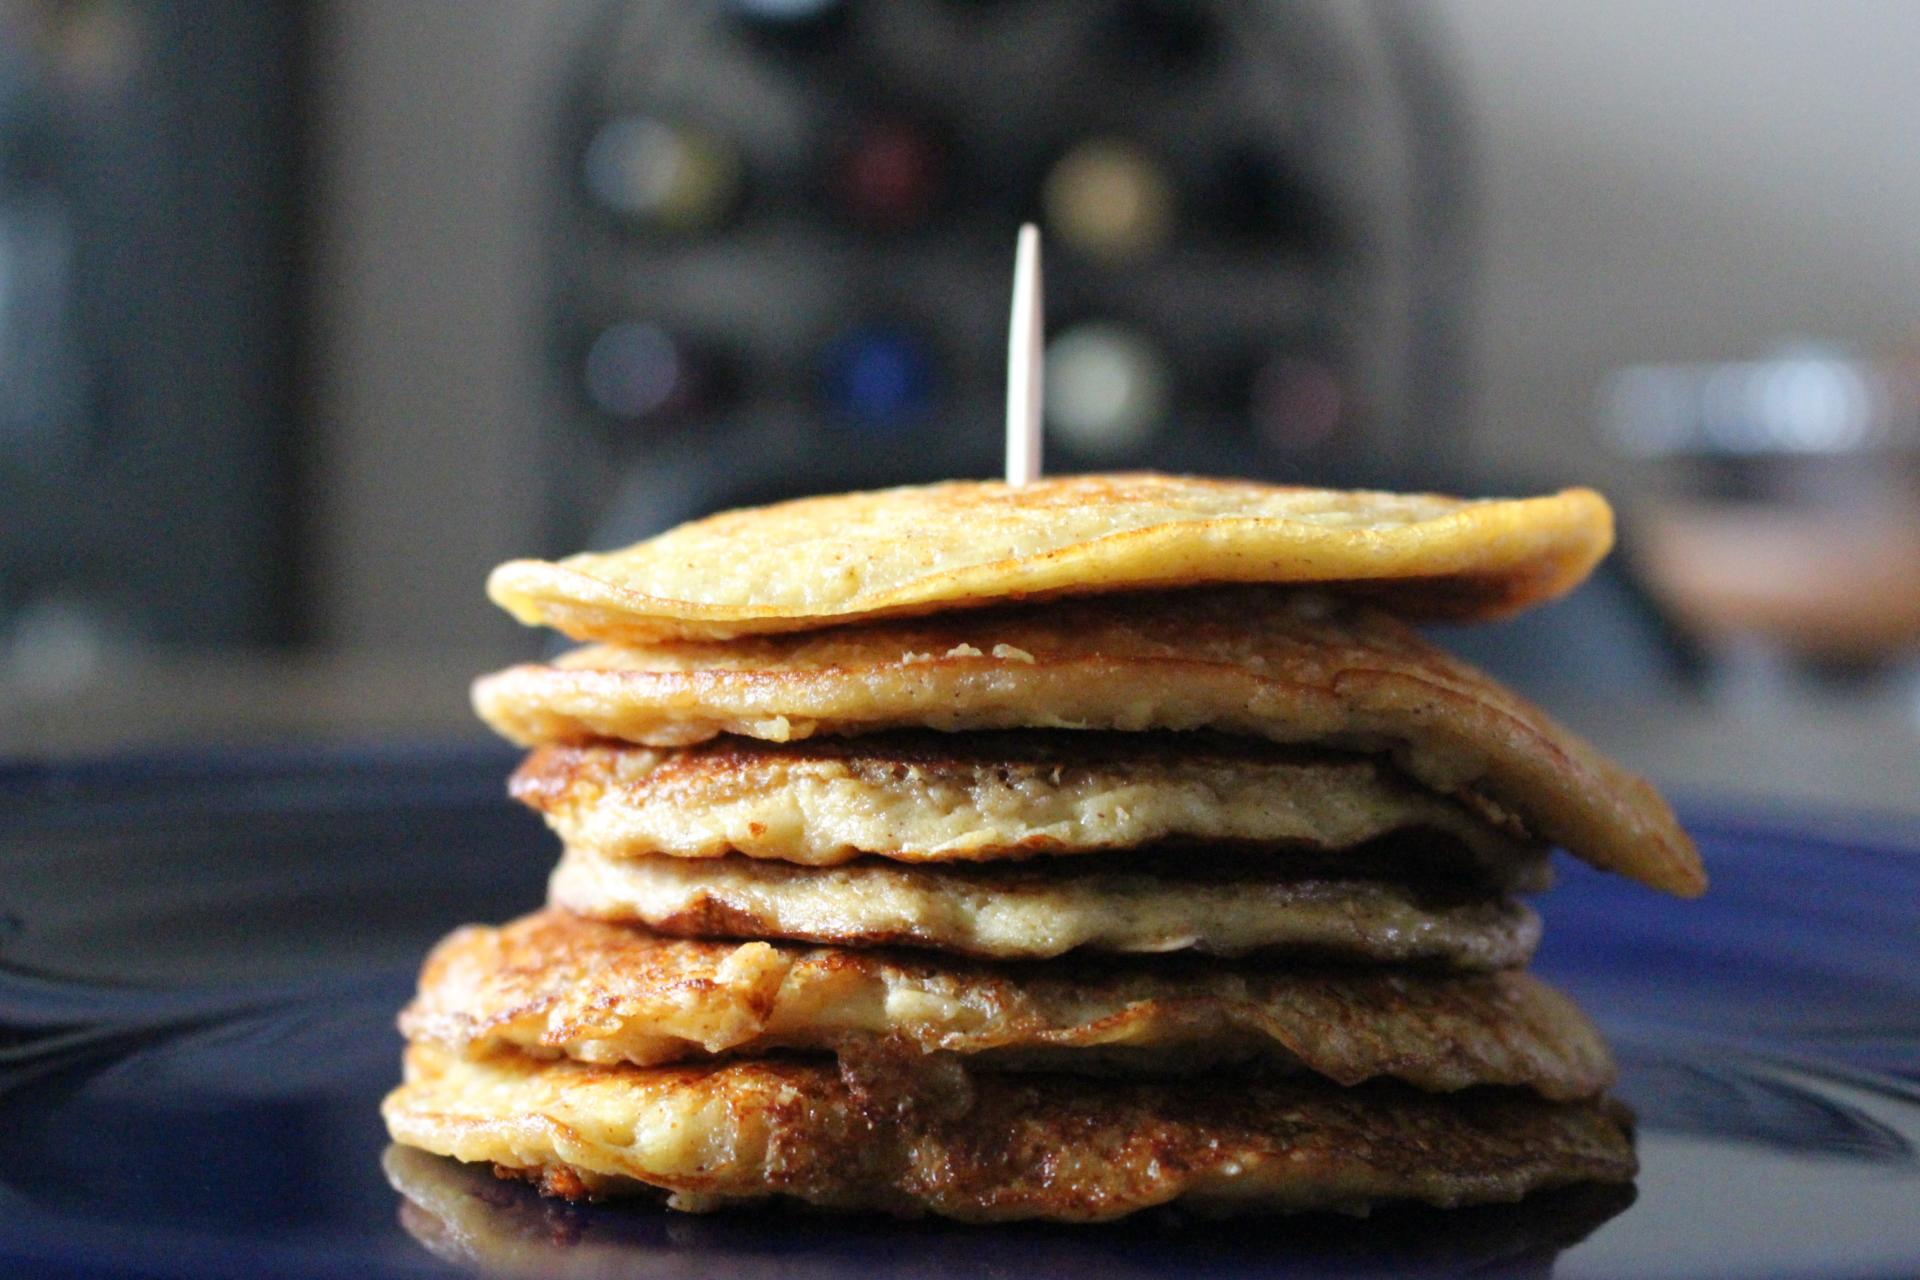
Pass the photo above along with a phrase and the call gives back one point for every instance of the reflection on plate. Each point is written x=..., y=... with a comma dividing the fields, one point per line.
x=1769, y=1036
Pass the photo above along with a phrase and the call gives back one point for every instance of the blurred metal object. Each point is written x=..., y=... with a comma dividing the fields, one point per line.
x=1802, y=402
x=1781, y=514
x=787, y=18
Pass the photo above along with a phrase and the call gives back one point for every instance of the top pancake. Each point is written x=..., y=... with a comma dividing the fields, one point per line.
x=820, y=561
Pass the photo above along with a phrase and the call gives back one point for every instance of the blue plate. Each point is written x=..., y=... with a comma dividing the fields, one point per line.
x=201, y=955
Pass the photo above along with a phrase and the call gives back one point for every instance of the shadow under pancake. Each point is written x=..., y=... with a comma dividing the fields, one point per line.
x=465, y=1215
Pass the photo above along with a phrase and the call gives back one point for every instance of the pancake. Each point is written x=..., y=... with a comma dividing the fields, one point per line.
x=552, y=984
x=1283, y=666
x=859, y=556
x=1036, y=910
x=467, y=1216
x=993, y=1147
x=929, y=797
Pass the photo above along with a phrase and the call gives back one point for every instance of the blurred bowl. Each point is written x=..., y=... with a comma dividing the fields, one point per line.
x=1780, y=500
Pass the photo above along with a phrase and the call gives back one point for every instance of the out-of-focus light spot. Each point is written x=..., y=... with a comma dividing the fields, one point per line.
x=1800, y=404
x=662, y=175
x=1109, y=199
x=636, y=371
x=878, y=378
x=1108, y=390
x=892, y=174
x=56, y=645
x=1814, y=406
x=783, y=11
x=1295, y=402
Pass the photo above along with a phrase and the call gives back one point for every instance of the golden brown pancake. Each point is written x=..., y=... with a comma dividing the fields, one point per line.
x=1048, y=907
x=931, y=797
x=994, y=1147
x=860, y=556
x=553, y=984
x=1287, y=667
x=466, y=1215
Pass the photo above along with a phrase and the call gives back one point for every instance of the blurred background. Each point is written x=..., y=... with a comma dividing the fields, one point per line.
x=311, y=313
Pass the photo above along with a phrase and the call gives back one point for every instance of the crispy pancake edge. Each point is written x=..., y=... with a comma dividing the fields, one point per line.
x=994, y=1147
x=555, y=984
x=465, y=1215
x=1282, y=666
x=1038, y=910
x=931, y=797
x=962, y=544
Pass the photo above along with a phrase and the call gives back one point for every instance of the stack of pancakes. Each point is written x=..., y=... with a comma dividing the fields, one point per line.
x=1050, y=852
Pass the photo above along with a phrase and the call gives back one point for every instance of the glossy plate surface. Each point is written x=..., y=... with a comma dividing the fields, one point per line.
x=201, y=956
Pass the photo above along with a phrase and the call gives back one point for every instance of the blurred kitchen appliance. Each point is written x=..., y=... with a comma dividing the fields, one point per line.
x=1779, y=514
x=149, y=175
x=784, y=244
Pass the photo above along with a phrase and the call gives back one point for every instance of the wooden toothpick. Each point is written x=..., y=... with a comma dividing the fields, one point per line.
x=1026, y=361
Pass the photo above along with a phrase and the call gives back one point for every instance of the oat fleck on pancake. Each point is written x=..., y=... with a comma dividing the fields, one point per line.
x=995, y=1147
x=859, y=556
x=554, y=984
x=1290, y=668
x=1048, y=907
x=930, y=797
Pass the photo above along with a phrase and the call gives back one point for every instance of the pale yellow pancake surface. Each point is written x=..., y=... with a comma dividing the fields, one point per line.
x=1287, y=667
x=933, y=797
x=993, y=1147
x=803, y=564
x=1045, y=908
x=553, y=984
